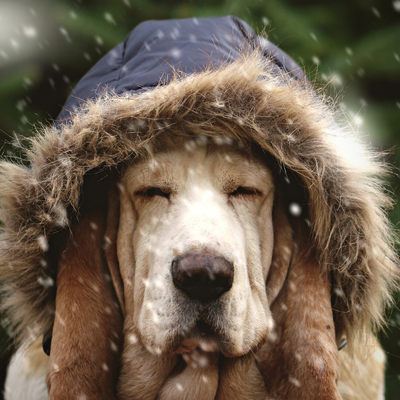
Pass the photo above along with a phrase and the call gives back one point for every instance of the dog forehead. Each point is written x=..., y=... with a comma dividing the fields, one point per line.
x=186, y=159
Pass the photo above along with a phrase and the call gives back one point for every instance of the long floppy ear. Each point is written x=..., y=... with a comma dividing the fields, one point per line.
x=87, y=331
x=300, y=359
x=283, y=250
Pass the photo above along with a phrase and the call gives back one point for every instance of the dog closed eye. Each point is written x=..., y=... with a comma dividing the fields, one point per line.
x=240, y=191
x=245, y=191
x=153, y=192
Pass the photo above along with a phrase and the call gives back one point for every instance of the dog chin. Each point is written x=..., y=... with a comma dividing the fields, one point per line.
x=202, y=342
x=197, y=351
x=202, y=338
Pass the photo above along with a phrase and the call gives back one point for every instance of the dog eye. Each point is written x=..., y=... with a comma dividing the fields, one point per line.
x=153, y=192
x=245, y=191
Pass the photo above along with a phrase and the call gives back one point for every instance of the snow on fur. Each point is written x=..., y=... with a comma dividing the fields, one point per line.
x=243, y=100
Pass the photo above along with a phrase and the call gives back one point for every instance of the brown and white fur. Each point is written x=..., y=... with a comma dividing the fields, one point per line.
x=299, y=285
x=272, y=333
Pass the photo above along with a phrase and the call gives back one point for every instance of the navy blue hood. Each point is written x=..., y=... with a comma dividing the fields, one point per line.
x=155, y=48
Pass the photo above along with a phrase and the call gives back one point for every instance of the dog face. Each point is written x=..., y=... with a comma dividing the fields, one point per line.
x=194, y=247
x=203, y=248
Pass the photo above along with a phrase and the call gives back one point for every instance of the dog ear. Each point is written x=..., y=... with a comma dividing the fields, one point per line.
x=282, y=252
x=300, y=358
x=87, y=331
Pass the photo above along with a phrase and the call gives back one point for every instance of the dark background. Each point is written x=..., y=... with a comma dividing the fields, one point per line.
x=352, y=45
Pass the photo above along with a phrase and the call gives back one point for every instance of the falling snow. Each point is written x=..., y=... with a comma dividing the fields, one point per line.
x=175, y=33
x=273, y=337
x=14, y=44
x=349, y=51
x=28, y=81
x=179, y=387
x=45, y=282
x=222, y=140
x=109, y=18
x=338, y=292
x=29, y=31
x=316, y=60
x=43, y=243
x=176, y=53
x=294, y=381
x=133, y=338
x=336, y=79
x=21, y=104
x=120, y=187
x=65, y=33
x=376, y=12
x=295, y=209
x=113, y=346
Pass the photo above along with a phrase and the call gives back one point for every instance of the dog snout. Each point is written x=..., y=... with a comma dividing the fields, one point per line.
x=202, y=277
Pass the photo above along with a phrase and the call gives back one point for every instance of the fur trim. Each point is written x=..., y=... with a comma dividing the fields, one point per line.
x=243, y=100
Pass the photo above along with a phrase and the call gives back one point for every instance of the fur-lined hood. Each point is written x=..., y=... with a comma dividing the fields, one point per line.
x=245, y=99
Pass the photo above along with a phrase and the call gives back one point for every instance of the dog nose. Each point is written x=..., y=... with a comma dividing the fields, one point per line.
x=202, y=277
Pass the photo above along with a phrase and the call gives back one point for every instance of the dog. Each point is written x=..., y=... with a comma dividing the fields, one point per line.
x=213, y=238
x=208, y=280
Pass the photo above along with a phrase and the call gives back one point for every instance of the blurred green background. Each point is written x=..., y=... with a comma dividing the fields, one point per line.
x=353, y=46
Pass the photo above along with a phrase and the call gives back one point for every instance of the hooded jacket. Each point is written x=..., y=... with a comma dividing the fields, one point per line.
x=206, y=77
